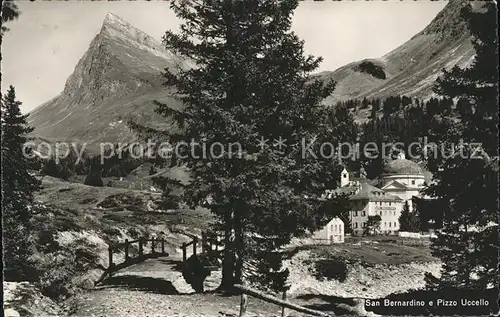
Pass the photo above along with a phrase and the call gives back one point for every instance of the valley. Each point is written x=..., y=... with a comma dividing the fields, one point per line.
x=81, y=217
x=322, y=233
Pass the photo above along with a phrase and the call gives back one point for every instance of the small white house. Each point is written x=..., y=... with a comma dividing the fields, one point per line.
x=333, y=232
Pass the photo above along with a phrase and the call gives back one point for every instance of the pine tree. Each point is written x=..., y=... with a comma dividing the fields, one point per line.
x=152, y=170
x=50, y=168
x=94, y=176
x=414, y=223
x=468, y=243
x=409, y=220
x=404, y=218
x=372, y=225
x=250, y=81
x=10, y=12
x=18, y=186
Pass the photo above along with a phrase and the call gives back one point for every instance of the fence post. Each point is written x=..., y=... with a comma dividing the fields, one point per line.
x=243, y=304
x=283, y=309
x=140, y=247
x=162, y=246
x=194, y=245
x=126, y=250
x=152, y=245
x=203, y=241
x=184, y=252
x=110, y=253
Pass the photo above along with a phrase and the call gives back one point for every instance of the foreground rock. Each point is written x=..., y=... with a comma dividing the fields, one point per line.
x=363, y=281
x=24, y=299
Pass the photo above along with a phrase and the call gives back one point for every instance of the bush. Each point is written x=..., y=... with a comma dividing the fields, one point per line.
x=111, y=231
x=63, y=170
x=331, y=269
x=371, y=69
x=120, y=200
x=94, y=179
x=90, y=200
x=57, y=270
x=134, y=233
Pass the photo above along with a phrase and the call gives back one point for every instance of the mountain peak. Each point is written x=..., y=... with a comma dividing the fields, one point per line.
x=115, y=26
x=448, y=23
x=112, y=19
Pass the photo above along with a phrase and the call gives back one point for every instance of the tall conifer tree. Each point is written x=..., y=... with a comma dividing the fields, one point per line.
x=250, y=81
x=18, y=186
x=466, y=184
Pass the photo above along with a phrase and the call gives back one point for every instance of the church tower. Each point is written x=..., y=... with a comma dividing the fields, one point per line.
x=344, y=178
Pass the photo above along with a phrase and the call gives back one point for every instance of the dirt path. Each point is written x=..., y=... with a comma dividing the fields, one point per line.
x=155, y=288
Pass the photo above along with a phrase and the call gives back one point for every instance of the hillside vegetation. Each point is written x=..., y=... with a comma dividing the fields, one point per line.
x=74, y=224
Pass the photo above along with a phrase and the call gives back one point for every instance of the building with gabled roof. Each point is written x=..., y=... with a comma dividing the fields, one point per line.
x=400, y=182
x=332, y=232
x=402, y=178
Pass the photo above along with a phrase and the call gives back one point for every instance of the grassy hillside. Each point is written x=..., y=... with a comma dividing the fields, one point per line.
x=74, y=225
x=412, y=68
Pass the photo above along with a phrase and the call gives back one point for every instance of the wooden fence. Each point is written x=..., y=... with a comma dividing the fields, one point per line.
x=274, y=300
x=157, y=250
x=208, y=242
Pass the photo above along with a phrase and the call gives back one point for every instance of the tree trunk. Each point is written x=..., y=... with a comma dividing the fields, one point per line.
x=228, y=261
x=239, y=247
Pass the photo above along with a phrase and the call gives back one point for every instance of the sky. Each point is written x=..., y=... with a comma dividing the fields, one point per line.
x=44, y=45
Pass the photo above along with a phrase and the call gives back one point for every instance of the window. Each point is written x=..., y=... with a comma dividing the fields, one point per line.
x=345, y=175
x=363, y=213
x=389, y=224
x=413, y=182
x=356, y=213
x=363, y=224
x=355, y=225
x=389, y=203
x=385, y=224
x=394, y=225
x=331, y=227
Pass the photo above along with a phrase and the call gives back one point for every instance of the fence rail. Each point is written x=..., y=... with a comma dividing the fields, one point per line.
x=274, y=300
x=208, y=242
x=129, y=260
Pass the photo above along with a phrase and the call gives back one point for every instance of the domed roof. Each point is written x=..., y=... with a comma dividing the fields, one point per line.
x=402, y=166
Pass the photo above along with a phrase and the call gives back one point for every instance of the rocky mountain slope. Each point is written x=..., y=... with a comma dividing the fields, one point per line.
x=117, y=79
x=411, y=68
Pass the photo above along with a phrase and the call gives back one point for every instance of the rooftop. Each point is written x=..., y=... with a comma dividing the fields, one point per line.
x=402, y=166
x=362, y=190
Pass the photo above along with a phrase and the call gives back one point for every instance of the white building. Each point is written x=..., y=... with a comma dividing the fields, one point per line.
x=401, y=180
x=333, y=232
